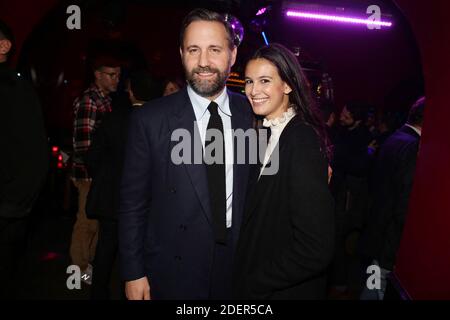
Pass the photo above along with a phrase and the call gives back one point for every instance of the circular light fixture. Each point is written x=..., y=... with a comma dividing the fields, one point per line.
x=237, y=27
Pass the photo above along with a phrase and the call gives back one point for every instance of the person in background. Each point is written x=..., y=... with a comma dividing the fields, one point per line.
x=172, y=85
x=142, y=87
x=350, y=187
x=104, y=161
x=328, y=111
x=393, y=180
x=23, y=163
x=89, y=110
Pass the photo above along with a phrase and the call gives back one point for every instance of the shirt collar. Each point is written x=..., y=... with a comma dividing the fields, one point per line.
x=100, y=92
x=200, y=104
x=417, y=130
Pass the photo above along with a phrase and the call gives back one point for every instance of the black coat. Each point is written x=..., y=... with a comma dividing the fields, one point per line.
x=23, y=145
x=392, y=183
x=104, y=161
x=287, y=235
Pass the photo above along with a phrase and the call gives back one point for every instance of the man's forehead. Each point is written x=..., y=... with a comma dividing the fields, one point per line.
x=206, y=24
x=211, y=31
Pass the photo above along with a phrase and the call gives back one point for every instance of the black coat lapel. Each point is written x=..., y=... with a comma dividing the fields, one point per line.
x=261, y=185
x=255, y=194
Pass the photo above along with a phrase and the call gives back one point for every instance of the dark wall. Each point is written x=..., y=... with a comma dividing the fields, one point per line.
x=23, y=15
x=424, y=258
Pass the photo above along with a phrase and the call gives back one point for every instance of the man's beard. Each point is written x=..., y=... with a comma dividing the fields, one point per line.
x=209, y=87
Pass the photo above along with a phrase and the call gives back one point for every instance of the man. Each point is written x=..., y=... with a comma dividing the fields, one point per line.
x=328, y=111
x=23, y=163
x=89, y=111
x=141, y=87
x=105, y=161
x=349, y=186
x=178, y=224
x=393, y=179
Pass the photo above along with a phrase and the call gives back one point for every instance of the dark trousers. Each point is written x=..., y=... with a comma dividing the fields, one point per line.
x=222, y=270
x=105, y=256
x=351, y=205
x=13, y=239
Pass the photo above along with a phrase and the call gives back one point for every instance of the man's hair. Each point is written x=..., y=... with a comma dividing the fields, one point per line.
x=105, y=61
x=200, y=14
x=144, y=87
x=290, y=71
x=7, y=34
x=415, y=116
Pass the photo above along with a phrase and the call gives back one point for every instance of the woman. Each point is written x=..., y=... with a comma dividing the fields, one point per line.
x=286, y=238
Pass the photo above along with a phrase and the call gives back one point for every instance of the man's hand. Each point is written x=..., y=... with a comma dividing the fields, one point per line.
x=138, y=289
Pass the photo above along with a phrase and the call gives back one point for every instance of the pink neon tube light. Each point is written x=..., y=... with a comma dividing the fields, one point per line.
x=326, y=17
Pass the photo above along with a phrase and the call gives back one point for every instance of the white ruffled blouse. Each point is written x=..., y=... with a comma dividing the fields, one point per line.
x=276, y=126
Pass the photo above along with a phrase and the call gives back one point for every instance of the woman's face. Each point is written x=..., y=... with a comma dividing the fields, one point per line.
x=265, y=90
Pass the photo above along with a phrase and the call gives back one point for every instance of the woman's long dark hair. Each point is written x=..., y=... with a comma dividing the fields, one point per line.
x=291, y=73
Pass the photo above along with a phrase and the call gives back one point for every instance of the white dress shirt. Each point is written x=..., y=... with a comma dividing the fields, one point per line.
x=200, y=105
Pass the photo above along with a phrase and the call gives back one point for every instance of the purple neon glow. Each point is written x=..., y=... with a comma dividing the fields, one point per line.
x=326, y=17
x=261, y=11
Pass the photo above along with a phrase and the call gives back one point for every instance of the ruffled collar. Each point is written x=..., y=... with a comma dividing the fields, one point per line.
x=279, y=121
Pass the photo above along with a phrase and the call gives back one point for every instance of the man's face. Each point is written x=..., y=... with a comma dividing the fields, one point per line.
x=107, y=78
x=346, y=118
x=206, y=57
x=5, y=46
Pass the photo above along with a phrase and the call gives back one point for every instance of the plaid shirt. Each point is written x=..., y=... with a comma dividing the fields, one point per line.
x=89, y=110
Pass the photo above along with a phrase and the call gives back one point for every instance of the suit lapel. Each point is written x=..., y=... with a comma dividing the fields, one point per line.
x=263, y=183
x=255, y=194
x=184, y=118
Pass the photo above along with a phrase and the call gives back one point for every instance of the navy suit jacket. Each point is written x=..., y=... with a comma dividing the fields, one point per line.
x=393, y=178
x=165, y=220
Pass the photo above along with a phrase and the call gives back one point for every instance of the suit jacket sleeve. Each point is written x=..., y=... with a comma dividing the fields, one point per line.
x=135, y=191
x=312, y=219
x=403, y=177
